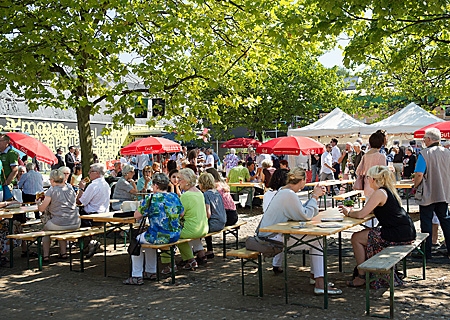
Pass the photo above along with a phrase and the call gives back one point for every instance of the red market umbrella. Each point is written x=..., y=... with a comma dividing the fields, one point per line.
x=443, y=126
x=240, y=143
x=151, y=145
x=291, y=145
x=32, y=147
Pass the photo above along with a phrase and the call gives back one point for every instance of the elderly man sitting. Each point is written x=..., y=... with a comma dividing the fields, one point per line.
x=94, y=198
x=31, y=183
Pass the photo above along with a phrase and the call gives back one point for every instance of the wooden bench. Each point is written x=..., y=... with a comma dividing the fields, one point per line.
x=248, y=256
x=350, y=194
x=76, y=235
x=164, y=247
x=31, y=222
x=234, y=230
x=384, y=263
x=32, y=237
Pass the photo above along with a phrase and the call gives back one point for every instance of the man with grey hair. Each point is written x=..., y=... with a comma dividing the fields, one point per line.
x=31, y=183
x=94, y=198
x=432, y=180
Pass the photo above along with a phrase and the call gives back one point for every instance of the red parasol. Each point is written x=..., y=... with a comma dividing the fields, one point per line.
x=291, y=145
x=240, y=143
x=444, y=127
x=32, y=147
x=151, y=145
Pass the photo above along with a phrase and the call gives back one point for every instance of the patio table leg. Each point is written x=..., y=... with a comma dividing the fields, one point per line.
x=286, y=236
x=325, y=273
x=11, y=242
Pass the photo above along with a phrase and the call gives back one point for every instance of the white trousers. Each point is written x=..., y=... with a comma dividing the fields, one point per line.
x=316, y=256
x=196, y=245
x=149, y=255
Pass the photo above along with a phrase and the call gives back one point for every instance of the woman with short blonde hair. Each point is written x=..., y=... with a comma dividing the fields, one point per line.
x=195, y=219
x=215, y=211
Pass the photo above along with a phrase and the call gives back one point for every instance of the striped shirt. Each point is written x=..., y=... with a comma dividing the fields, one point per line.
x=31, y=182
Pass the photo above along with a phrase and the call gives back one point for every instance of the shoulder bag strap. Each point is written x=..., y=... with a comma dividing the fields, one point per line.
x=142, y=225
x=259, y=225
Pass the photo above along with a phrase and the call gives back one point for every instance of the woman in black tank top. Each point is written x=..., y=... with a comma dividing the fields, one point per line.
x=395, y=226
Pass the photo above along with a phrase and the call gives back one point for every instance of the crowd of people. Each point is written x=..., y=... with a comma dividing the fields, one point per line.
x=183, y=195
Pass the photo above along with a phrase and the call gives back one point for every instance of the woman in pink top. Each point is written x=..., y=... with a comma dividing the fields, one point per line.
x=373, y=157
x=224, y=190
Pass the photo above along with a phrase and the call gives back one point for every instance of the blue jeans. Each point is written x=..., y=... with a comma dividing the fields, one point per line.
x=314, y=172
x=426, y=217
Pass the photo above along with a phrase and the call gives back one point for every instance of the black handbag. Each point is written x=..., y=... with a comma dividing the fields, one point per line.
x=134, y=248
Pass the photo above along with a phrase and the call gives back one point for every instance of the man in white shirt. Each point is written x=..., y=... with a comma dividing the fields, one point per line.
x=326, y=170
x=335, y=155
x=94, y=198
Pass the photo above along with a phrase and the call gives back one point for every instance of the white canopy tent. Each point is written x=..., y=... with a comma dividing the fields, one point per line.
x=406, y=121
x=336, y=123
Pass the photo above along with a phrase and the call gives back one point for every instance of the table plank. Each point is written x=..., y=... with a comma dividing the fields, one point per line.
x=312, y=227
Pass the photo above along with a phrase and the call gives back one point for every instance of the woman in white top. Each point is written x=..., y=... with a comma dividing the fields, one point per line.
x=285, y=205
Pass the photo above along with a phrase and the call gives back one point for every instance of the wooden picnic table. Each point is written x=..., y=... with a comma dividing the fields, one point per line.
x=312, y=229
x=407, y=185
x=115, y=222
x=9, y=214
x=250, y=185
x=329, y=183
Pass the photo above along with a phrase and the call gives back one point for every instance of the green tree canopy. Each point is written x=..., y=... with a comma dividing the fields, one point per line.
x=290, y=87
x=67, y=54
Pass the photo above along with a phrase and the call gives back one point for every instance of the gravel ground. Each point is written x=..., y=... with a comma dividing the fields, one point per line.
x=212, y=291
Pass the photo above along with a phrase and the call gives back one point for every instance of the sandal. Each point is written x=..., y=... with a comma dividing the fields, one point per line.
x=63, y=256
x=277, y=270
x=168, y=270
x=351, y=284
x=31, y=254
x=190, y=265
x=201, y=260
x=150, y=276
x=46, y=259
x=134, y=281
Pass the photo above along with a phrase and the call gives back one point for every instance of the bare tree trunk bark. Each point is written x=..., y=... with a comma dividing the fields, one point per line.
x=84, y=132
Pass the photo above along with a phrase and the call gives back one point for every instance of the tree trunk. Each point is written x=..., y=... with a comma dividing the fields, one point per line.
x=84, y=132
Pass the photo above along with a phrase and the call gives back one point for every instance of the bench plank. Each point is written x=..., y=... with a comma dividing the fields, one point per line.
x=74, y=235
x=383, y=261
x=32, y=236
x=349, y=194
x=243, y=253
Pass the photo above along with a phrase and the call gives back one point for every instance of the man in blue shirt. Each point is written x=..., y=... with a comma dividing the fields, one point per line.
x=431, y=179
x=31, y=183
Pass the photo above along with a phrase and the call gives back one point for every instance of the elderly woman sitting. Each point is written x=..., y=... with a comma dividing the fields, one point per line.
x=60, y=203
x=163, y=210
x=195, y=218
x=125, y=189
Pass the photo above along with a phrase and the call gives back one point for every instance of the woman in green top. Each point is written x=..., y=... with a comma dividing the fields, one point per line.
x=195, y=219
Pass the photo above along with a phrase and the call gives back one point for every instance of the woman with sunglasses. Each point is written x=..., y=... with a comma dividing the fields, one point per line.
x=395, y=225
